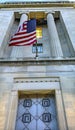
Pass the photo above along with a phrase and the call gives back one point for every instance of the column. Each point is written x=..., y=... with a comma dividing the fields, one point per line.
x=19, y=51
x=55, y=46
x=24, y=17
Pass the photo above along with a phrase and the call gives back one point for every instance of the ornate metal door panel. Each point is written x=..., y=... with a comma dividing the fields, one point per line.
x=36, y=112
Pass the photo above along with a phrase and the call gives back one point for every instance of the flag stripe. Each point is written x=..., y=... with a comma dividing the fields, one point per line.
x=20, y=33
x=23, y=44
x=22, y=41
x=23, y=33
x=23, y=36
x=25, y=39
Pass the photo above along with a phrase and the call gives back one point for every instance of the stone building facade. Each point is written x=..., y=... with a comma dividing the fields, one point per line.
x=38, y=91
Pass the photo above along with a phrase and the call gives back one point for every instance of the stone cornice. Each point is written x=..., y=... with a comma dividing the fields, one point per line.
x=34, y=5
x=16, y=62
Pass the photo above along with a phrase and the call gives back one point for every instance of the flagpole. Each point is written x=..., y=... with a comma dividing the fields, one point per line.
x=36, y=50
x=36, y=43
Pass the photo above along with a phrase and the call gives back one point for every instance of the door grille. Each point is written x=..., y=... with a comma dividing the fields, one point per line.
x=36, y=112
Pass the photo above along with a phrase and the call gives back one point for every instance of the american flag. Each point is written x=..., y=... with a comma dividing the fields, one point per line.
x=26, y=34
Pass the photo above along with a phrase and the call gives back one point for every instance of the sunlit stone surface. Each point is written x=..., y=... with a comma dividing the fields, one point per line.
x=38, y=75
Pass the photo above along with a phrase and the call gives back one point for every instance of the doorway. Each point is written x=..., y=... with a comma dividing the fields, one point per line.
x=36, y=112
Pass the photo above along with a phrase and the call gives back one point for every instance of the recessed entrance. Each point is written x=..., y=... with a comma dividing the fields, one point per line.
x=36, y=112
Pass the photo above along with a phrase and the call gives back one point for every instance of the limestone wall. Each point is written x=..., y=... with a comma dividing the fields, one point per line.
x=6, y=21
x=67, y=18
